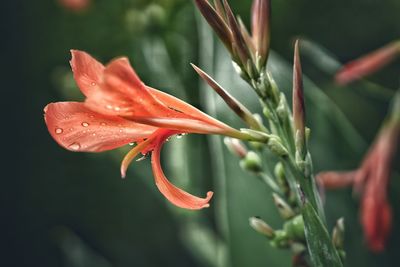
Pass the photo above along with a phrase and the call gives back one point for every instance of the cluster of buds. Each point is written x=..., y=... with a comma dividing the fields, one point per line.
x=249, y=51
x=290, y=236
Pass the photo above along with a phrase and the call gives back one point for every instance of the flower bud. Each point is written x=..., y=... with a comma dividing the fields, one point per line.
x=216, y=22
x=280, y=175
x=281, y=239
x=283, y=208
x=261, y=227
x=251, y=162
x=231, y=101
x=295, y=228
x=240, y=51
x=338, y=234
x=276, y=146
x=261, y=14
x=298, y=105
x=282, y=109
x=236, y=147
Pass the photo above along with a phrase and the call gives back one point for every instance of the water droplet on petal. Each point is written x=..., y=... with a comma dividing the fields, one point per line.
x=109, y=107
x=85, y=124
x=132, y=143
x=74, y=146
x=94, y=134
x=121, y=130
x=117, y=108
x=103, y=124
x=59, y=131
x=143, y=157
x=93, y=84
x=179, y=136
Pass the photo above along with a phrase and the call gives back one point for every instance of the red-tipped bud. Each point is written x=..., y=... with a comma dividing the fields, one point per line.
x=261, y=14
x=240, y=48
x=368, y=64
x=236, y=147
x=216, y=21
x=298, y=104
x=219, y=7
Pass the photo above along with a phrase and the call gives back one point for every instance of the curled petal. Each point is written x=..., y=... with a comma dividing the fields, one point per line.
x=175, y=195
x=132, y=154
x=77, y=128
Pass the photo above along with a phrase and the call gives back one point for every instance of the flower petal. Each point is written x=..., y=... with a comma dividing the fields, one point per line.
x=182, y=107
x=122, y=93
x=77, y=128
x=184, y=125
x=175, y=195
x=376, y=218
x=333, y=179
x=88, y=72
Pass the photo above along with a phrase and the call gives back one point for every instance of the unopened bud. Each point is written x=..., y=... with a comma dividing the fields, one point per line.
x=295, y=228
x=338, y=234
x=216, y=22
x=275, y=93
x=231, y=101
x=276, y=146
x=235, y=146
x=281, y=239
x=238, y=42
x=283, y=208
x=298, y=104
x=280, y=175
x=261, y=14
x=261, y=227
x=282, y=108
x=251, y=162
x=368, y=64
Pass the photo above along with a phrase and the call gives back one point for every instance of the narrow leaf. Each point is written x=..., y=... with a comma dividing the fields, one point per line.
x=322, y=251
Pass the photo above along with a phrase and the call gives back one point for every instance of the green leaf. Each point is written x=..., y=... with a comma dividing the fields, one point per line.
x=322, y=251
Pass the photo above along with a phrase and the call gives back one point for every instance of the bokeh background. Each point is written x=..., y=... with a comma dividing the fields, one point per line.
x=70, y=209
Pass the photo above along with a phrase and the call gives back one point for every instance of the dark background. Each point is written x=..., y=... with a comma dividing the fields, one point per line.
x=69, y=209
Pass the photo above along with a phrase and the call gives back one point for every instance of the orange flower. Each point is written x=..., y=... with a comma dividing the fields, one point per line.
x=120, y=109
x=371, y=181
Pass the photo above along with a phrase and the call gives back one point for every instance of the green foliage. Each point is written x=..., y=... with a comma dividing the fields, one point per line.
x=64, y=203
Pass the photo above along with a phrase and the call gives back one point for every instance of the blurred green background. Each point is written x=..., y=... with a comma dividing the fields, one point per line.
x=69, y=209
